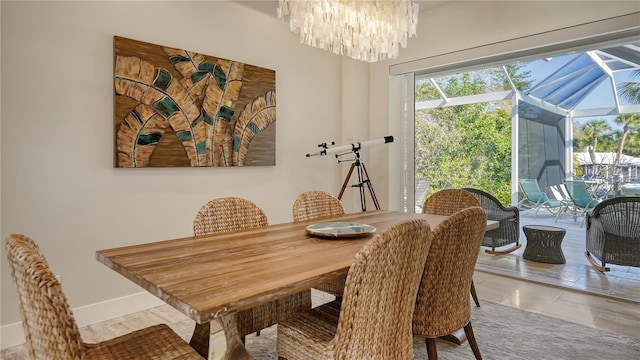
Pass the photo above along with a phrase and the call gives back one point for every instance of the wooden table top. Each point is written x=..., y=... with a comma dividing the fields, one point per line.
x=208, y=276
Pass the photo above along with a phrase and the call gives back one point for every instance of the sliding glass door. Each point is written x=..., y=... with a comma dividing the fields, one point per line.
x=487, y=127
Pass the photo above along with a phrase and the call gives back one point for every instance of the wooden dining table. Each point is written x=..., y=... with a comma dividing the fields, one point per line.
x=211, y=277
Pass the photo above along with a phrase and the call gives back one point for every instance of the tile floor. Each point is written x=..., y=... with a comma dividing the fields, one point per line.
x=605, y=313
x=621, y=282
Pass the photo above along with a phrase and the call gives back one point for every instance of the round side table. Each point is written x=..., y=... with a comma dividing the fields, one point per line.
x=544, y=244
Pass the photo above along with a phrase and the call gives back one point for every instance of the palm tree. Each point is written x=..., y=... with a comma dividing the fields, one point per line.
x=629, y=122
x=594, y=129
x=631, y=90
x=632, y=144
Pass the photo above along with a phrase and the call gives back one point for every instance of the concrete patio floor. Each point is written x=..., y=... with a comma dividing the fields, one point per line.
x=622, y=282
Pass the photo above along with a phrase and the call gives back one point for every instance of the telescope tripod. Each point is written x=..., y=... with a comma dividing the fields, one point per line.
x=363, y=180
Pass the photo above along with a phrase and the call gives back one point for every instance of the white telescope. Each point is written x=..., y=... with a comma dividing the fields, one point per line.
x=355, y=147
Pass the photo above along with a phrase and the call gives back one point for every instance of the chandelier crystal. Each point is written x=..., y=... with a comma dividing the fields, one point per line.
x=368, y=30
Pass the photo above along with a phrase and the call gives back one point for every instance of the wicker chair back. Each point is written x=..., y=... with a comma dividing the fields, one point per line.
x=316, y=204
x=228, y=214
x=51, y=330
x=442, y=304
x=448, y=201
x=613, y=233
x=49, y=325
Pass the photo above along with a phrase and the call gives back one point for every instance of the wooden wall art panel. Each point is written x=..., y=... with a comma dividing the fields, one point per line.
x=178, y=108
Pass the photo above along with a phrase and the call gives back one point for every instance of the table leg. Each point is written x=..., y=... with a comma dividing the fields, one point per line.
x=225, y=342
x=219, y=339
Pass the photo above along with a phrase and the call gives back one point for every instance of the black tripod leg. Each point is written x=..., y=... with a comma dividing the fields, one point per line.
x=363, y=201
x=370, y=186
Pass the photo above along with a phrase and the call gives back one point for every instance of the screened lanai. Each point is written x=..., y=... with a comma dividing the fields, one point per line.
x=559, y=89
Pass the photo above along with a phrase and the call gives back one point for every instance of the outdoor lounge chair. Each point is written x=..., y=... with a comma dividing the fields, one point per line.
x=509, y=219
x=536, y=199
x=422, y=185
x=582, y=200
x=613, y=233
x=559, y=192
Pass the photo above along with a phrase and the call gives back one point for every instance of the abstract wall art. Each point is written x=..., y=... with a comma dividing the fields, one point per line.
x=179, y=108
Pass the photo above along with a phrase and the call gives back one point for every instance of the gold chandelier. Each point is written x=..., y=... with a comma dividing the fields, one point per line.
x=368, y=30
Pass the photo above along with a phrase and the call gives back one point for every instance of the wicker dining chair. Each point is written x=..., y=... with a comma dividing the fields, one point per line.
x=318, y=204
x=373, y=320
x=447, y=202
x=234, y=213
x=442, y=303
x=50, y=329
x=508, y=218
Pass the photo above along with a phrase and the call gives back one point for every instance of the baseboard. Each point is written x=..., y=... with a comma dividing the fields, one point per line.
x=13, y=334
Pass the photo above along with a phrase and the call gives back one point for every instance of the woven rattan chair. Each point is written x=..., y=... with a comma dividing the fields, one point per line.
x=50, y=328
x=613, y=233
x=447, y=202
x=442, y=304
x=508, y=218
x=314, y=205
x=233, y=213
x=373, y=321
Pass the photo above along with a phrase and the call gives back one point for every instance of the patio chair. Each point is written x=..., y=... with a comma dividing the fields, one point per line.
x=373, y=320
x=442, y=303
x=536, y=199
x=233, y=213
x=50, y=327
x=447, y=202
x=613, y=233
x=559, y=193
x=508, y=231
x=582, y=200
x=422, y=185
x=318, y=204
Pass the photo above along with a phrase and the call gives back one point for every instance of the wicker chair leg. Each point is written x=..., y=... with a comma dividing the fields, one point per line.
x=474, y=295
x=432, y=351
x=468, y=330
x=602, y=268
x=503, y=252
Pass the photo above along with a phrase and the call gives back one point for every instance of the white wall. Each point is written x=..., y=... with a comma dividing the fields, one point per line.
x=58, y=183
x=459, y=31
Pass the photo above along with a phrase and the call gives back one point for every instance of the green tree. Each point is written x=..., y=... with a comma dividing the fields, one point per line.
x=519, y=77
x=467, y=145
x=630, y=123
x=631, y=90
x=593, y=129
x=632, y=144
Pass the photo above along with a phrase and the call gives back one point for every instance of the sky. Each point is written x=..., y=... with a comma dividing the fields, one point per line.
x=601, y=96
